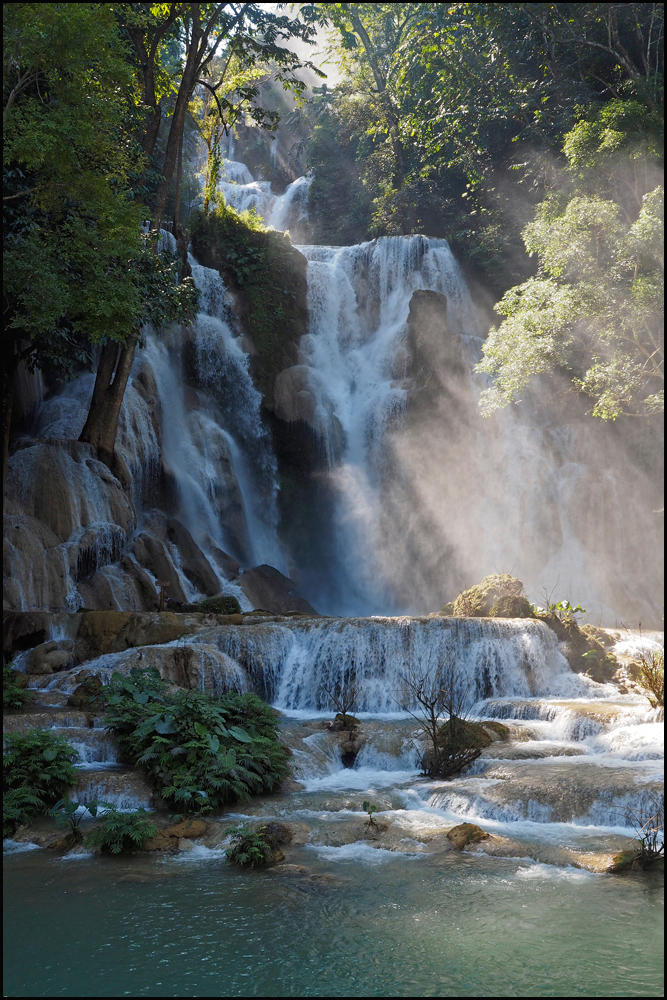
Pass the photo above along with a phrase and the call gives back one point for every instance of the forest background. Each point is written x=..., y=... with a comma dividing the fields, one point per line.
x=528, y=135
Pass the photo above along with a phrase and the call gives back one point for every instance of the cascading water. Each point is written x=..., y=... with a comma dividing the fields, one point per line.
x=578, y=756
x=359, y=299
x=429, y=497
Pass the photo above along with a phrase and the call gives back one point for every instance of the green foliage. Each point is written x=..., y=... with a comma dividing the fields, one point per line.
x=224, y=604
x=38, y=769
x=199, y=752
x=120, y=831
x=77, y=268
x=594, y=313
x=70, y=814
x=369, y=808
x=450, y=117
x=251, y=848
x=269, y=275
x=652, y=676
x=14, y=695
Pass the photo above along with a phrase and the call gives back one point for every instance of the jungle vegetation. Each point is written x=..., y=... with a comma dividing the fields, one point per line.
x=528, y=135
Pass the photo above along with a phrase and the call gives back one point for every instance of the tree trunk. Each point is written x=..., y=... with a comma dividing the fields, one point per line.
x=179, y=179
x=188, y=81
x=113, y=373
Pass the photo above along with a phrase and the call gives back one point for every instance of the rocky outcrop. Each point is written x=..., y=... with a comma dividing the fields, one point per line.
x=51, y=656
x=66, y=517
x=151, y=553
x=194, y=563
x=466, y=833
x=267, y=588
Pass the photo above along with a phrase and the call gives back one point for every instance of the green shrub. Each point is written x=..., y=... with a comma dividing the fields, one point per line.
x=224, y=604
x=119, y=832
x=252, y=848
x=69, y=814
x=652, y=675
x=14, y=694
x=38, y=769
x=198, y=751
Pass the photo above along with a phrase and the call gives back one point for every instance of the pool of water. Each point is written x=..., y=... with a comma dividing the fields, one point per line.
x=348, y=921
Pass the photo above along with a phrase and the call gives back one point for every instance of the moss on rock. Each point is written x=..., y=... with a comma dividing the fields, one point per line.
x=267, y=276
x=497, y=596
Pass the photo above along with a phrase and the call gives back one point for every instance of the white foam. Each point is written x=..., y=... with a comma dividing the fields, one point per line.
x=361, y=851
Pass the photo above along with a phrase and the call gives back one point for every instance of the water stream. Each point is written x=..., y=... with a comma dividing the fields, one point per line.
x=355, y=911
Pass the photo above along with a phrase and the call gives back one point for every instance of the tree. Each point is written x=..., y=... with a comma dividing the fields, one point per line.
x=594, y=312
x=247, y=33
x=77, y=269
x=430, y=691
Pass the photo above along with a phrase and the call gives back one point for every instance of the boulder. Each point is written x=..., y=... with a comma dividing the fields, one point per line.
x=496, y=594
x=229, y=566
x=87, y=695
x=266, y=587
x=188, y=828
x=152, y=553
x=466, y=833
x=194, y=563
x=279, y=832
x=145, y=587
x=36, y=567
x=50, y=657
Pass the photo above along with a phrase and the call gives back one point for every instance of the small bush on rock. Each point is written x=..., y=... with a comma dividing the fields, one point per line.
x=223, y=604
x=198, y=751
x=652, y=676
x=121, y=832
x=252, y=848
x=38, y=769
x=498, y=595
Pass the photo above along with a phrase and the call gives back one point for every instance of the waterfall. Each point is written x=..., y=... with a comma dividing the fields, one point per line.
x=292, y=664
x=426, y=496
x=288, y=211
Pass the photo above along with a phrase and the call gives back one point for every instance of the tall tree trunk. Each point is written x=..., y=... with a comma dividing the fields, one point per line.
x=188, y=82
x=179, y=179
x=101, y=424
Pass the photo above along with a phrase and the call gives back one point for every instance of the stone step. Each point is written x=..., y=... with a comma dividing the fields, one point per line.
x=47, y=718
x=54, y=699
x=124, y=787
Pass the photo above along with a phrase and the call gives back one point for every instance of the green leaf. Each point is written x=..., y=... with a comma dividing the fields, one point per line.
x=240, y=734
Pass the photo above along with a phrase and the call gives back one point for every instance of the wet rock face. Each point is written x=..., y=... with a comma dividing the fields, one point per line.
x=266, y=588
x=49, y=657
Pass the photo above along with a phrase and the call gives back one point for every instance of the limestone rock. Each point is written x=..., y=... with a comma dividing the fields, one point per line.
x=50, y=656
x=86, y=696
x=188, y=828
x=65, y=486
x=466, y=833
x=195, y=564
x=229, y=566
x=36, y=567
x=24, y=630
x=147, y=592
x=280, y=832
x=266, y=587
x=152, y=553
